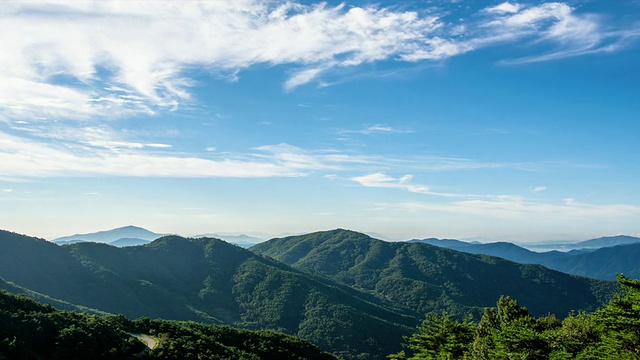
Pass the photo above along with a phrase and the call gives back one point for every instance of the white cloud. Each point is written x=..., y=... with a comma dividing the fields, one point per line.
x=378, y=129
x=536, y=189
x=505, y=7
x=73, y=59
x=381, y=180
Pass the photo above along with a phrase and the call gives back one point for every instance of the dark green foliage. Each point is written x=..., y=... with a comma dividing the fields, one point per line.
x=439, y=337
x=508, y=331
x=427, y=278
x=29, y=330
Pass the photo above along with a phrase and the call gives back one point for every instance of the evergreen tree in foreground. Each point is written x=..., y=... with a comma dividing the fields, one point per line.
x=508, y=331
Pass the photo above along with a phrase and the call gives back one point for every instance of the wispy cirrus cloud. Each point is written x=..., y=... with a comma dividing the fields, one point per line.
x=72, y=60
x=92, y=151
x=381, y=180
x=378, y=129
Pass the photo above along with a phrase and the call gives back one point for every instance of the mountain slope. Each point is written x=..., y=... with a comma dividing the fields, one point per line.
x=427, y=278
x=34, y=331
x=206, y=280
x=599, y=263
x=603, y=263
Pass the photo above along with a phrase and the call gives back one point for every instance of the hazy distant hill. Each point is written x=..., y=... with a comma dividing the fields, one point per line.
x=600, y=263
x=606, y=242
x=108, y=236
x=207, y=280
x=504, y=250
x=427, y=278
x=129, y=242
x=445, y=243
x=240, y=239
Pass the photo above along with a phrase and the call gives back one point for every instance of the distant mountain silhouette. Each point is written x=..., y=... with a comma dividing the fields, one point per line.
x=606, y=242
x=602, y=263
x=599, y=258
x=109, y=236
x=242, y=240
x=129, y=242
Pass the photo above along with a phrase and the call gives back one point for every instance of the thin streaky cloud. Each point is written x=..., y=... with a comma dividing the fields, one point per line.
x=378, y=129
x=381, y=180
x=536, y=189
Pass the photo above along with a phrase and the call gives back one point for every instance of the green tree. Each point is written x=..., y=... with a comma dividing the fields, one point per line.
x=439, y=337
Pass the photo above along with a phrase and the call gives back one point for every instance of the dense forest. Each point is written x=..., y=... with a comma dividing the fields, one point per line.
x=427, y=278
x=29, y=330
x=509, y=331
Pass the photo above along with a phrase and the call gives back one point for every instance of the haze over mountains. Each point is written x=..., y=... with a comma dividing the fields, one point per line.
x=591, y=262
x=598, y=258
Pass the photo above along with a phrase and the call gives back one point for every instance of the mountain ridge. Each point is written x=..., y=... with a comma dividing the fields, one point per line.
x=211, y=281
x=430, y=278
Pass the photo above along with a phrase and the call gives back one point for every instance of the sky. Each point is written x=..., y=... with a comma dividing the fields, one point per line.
x=461, y=119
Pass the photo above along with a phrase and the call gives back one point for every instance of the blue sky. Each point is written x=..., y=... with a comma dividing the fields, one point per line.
x=504, y=120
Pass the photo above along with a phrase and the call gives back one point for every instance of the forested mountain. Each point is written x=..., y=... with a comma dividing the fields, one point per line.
x=29, y=330
x=206, y=280
x=429, y=278
x=603, y=263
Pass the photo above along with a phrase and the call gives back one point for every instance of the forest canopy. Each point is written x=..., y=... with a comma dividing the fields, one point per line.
x=509, y=331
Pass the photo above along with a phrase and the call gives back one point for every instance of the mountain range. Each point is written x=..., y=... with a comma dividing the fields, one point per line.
x=206, y=280
x=428, y=278
x=344, y=291
x=135, y=236
x=599, y=258
x=120, y=237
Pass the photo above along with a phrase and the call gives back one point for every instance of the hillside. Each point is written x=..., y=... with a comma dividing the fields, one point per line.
x=29, y=330
x=428, y=278
x=206, y=280
x=603, y=263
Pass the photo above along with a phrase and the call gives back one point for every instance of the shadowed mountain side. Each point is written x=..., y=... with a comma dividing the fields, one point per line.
x=63, y=305
x=429, y=278
x=206, y=280
x=34, y=331
x=603, y=263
